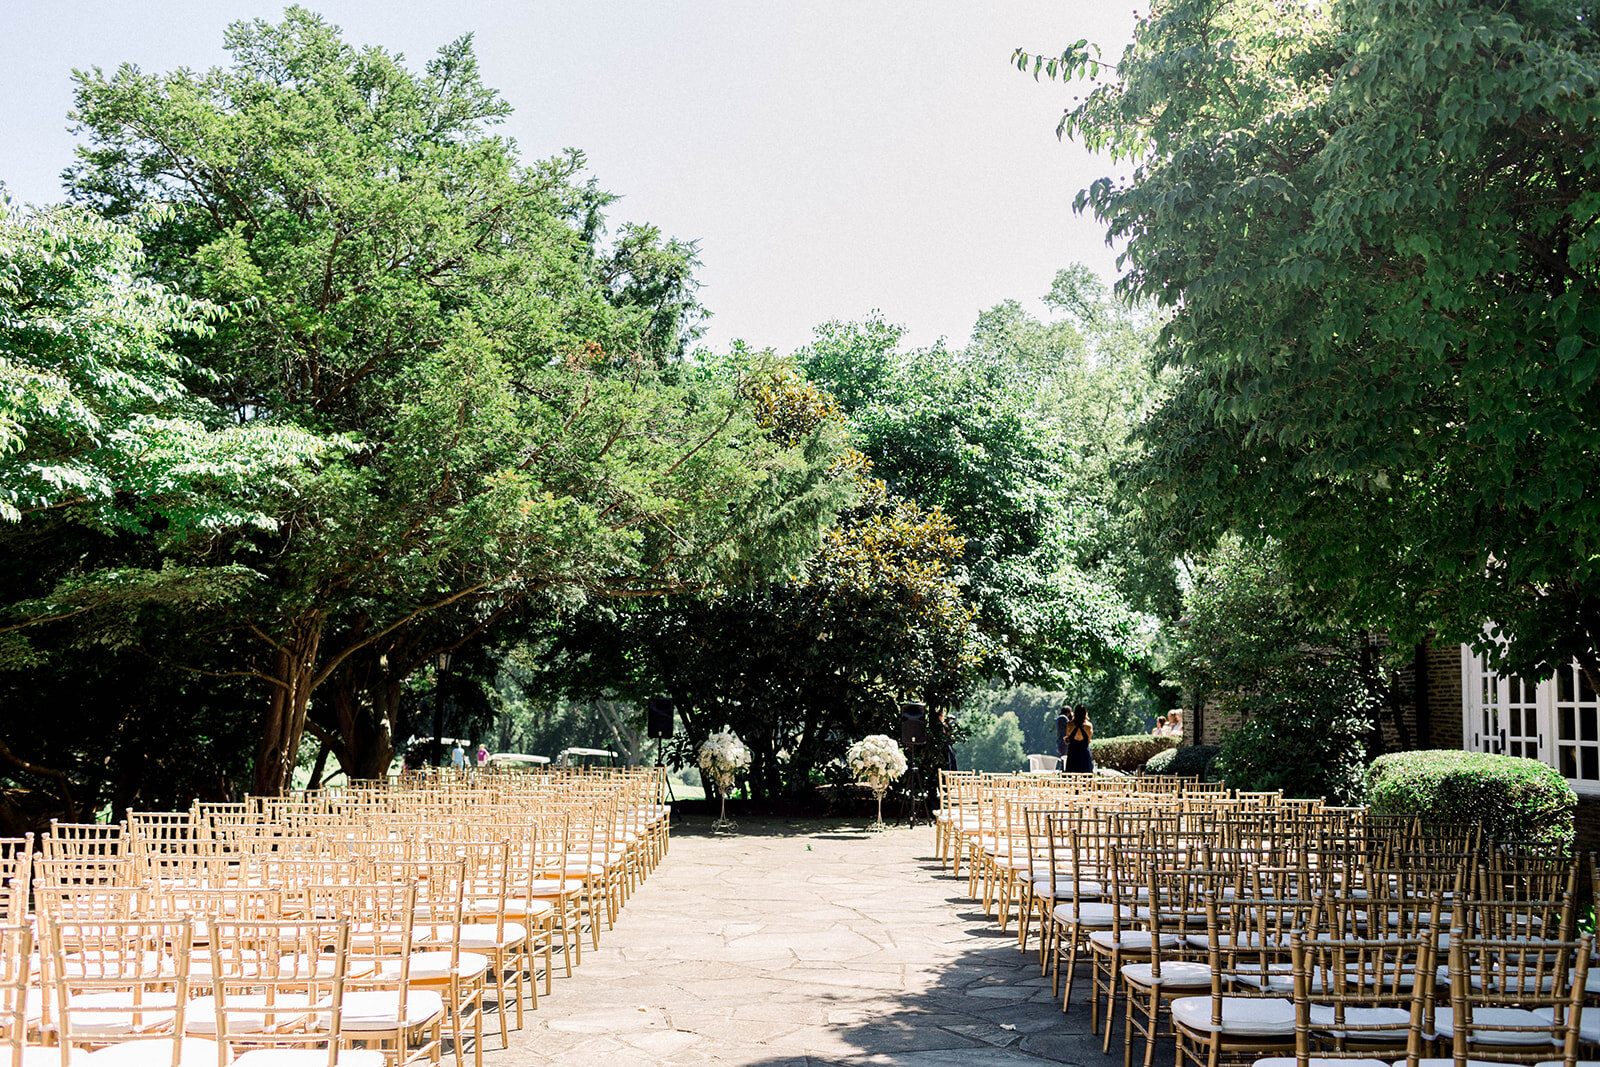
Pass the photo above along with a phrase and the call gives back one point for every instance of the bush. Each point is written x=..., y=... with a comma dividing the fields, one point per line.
x=1515, y=799
x=1190, y=761
x=1307, y=738
x=1128, y=753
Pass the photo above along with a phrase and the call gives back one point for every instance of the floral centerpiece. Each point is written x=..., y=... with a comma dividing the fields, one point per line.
x=878, y=761
x=721, y=757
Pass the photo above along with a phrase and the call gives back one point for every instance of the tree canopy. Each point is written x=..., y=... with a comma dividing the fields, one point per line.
x=1371, y=225
x=499, y=380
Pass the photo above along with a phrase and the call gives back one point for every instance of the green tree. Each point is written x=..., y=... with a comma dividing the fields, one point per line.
x=1018, y=438
x=995, y=744
x=802, y=665
x=111, y=471
x=1373, y=226
x=396, y=275
x=1306, y=692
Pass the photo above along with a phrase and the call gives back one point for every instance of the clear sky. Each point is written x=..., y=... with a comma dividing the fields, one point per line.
x=830, y=157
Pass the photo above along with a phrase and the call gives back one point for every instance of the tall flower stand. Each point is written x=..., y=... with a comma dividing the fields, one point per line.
x=879, y=788
x=724, y=825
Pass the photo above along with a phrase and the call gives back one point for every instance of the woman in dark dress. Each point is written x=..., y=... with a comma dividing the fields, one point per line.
x=1074, y=742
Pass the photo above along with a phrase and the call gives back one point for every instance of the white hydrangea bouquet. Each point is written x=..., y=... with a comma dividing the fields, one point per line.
x=878, y=761
x=721, y=757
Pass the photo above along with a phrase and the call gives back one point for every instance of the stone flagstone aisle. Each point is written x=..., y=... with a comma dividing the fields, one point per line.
x=803, y=943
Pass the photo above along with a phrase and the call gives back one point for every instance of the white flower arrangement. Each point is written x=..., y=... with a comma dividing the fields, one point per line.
x=721, y=757
x=876, y=760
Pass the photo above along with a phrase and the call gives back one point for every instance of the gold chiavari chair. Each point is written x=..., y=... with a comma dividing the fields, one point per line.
x=1247, y=1012
x=1174, y=905
x=381, y=1005
x=121, y=988
x=1357, y=1003
x=20, y=1009
x=1076, y=843
x=1132, y=936
x=277, y=993
x=1516, y=1001
x=83, y=841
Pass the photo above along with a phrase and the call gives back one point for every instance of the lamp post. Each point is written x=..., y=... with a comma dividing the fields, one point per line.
x=438, y=709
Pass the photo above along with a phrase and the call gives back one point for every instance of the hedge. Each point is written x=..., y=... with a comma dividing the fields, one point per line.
x=1515, y=799
x=1190, y=761
x=1130, y=752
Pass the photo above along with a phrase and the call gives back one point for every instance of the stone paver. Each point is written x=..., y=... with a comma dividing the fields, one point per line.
x=803, y=943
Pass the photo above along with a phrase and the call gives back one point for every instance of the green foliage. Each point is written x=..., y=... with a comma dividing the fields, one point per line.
x=802, y=665
x=995, y=744
x=1308, y=742
x=526, y=432
x=1515, y=799
x=1015, y=438
x=1372, y=225
x=1306, y=691
x=1130, y=753
x=94, y=415
x=1188, y=761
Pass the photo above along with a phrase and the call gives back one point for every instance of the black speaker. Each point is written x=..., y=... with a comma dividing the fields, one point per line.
x=913, y=724
x=658, y=718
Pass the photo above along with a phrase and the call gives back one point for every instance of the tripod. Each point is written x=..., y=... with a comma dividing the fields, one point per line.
x=665, y=774
x=914, y=801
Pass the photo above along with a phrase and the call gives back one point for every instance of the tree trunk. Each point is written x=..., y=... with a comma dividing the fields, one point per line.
x=284, y=721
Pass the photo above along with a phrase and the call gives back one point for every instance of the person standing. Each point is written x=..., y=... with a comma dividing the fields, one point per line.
x=1073, y=743
x=483, y=757
x=458, y=758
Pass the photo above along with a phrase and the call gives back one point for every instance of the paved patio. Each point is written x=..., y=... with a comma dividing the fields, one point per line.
x=803, y=943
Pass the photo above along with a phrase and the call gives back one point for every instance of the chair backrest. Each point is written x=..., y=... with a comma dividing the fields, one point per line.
x=16, y=947
x=1040, y=762
x=1360, y=998
x=278, y=984
x=83, y=840
x=1543, y=978
x=117, y=981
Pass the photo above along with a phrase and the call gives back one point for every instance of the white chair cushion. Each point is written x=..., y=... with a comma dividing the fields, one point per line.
x=1131, y=940
x=1444, y=1026
x=550, y=887
x=1397, y=1022
x=200, y=1016
x=435, y=966
x=1065, y=889
x=1088, y=914
x=513, y=908
x=483, y=935
x=113, y=1012
x=1247, y=1016
x=153, y=1052
x=379, y=1009
x=1588, y=1023
x=1317, y=1061
x=1178, y=973
x=304, y=1057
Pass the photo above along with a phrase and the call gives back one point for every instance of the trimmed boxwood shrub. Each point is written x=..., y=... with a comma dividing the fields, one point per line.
x=1128, y=753
x=1516, y=799
x=1190, y=761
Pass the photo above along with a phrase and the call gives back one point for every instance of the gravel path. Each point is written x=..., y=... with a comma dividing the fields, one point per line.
x=803, y=943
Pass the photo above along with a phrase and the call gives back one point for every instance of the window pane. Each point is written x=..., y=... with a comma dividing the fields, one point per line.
x=1591, y=764
x=1586, y=721
x=1564, y=684
x=1569, y=729
x=1585, y=690
x=1569, y=761
x=1514, y=691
